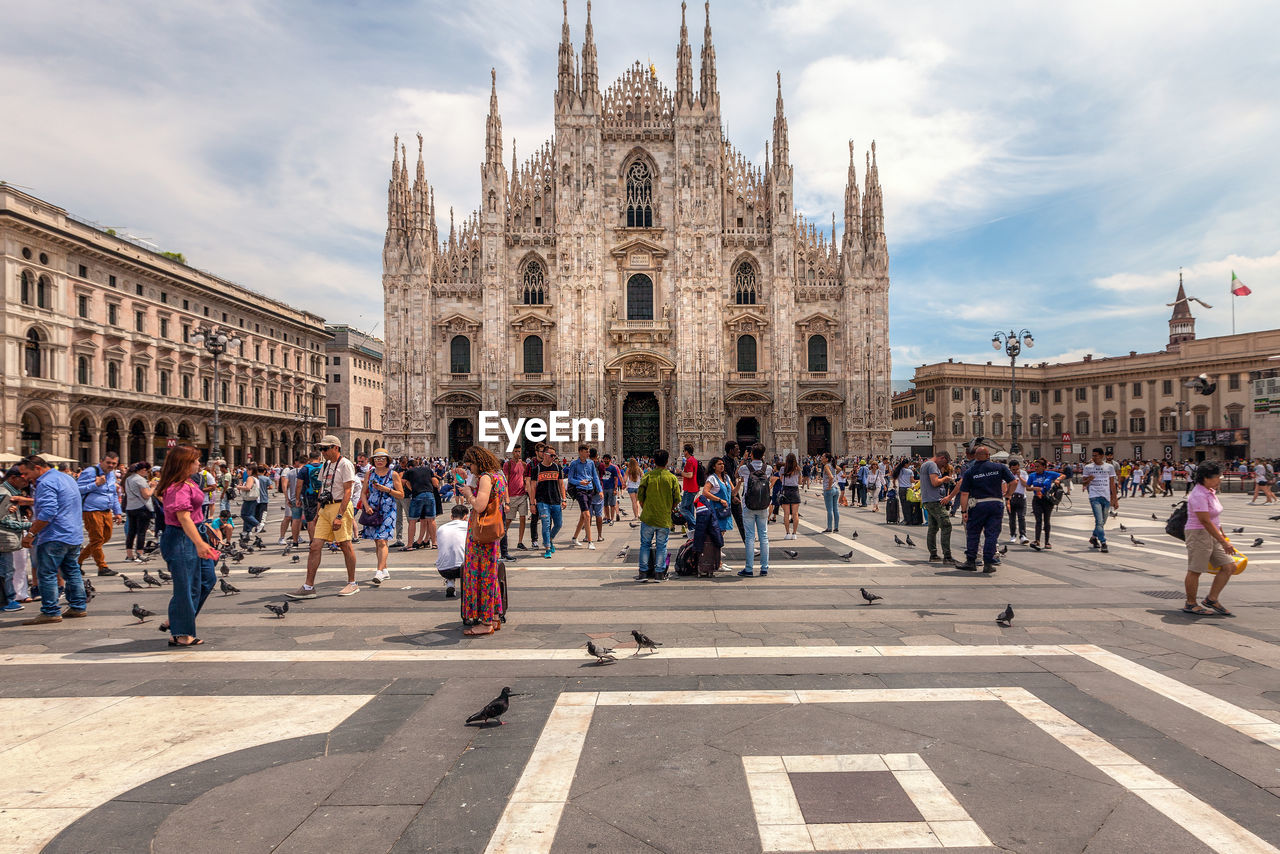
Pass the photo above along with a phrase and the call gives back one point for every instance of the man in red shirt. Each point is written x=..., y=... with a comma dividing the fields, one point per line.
x=514, y=471
x=689, y=486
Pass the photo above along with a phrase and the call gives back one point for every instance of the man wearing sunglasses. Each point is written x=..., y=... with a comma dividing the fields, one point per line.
x=335, y=522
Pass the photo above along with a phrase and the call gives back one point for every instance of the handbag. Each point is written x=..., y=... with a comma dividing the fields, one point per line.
x=370, y=518
x=487, y=526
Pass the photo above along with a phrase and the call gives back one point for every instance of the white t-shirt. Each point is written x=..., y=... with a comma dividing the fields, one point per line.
x=1102, y=473
x=1021, y=488
x=451, y=537
x=334, y=478
x=1166, y=473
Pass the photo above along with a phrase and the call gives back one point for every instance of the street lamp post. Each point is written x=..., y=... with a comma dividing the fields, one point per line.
x=217, y=342
x=1013, y=343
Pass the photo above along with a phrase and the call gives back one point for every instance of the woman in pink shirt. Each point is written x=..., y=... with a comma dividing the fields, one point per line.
x=1207, y=546
x=189, y=557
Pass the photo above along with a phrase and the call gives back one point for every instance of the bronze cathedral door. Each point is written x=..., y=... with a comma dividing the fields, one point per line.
x=640, y=424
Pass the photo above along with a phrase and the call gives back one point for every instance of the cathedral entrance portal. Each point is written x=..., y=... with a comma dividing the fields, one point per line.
x=461, y=437
x=818, y=436
x=747, y=434
x=640, y=424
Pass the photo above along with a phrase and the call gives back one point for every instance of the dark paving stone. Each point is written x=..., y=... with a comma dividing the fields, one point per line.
x=196, y=687
x=114, y=828
x=852, y=796
x=414, y=685
x=1134, y=825
x=581, y=831
x=349, y=830
x=370, y=725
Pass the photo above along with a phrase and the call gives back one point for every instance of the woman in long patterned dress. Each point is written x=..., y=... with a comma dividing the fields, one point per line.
x=381, y=494
x=481, y=595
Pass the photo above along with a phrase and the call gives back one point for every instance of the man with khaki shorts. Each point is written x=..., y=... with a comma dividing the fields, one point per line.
x=335, y=522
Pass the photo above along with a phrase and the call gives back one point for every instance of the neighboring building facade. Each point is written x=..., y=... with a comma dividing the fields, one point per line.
x=1264, y=431
x=98, y=355
x=1138, y=406
x=354, y=394
x=638, y=268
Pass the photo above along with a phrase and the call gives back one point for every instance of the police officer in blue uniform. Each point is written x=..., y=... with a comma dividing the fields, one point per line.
x=983, y=491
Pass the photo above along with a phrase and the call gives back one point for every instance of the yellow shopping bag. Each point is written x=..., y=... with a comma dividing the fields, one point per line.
x=1239, y=561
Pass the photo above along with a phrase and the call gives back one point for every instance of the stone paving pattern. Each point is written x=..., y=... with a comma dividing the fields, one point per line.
x=376, y=759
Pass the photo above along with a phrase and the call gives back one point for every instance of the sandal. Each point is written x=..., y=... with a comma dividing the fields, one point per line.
x=192, y=642
x=1217, y=607
x=477, y=631
x=1197, y=610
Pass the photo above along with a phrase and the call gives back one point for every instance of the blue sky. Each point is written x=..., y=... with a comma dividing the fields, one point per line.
x=1042, y=166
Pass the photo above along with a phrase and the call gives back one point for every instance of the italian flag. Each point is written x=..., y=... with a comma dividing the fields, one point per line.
x=1238, y=288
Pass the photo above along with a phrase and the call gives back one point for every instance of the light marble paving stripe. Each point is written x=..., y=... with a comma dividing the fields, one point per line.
x=853, y=544
x=1187, y=811
x=51, y=779
x=1253, y=725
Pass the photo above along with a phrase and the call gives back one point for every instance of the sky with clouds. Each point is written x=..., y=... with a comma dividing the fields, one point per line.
x=1047, y=166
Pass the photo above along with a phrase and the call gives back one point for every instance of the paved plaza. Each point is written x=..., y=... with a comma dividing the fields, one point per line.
x=780, y=713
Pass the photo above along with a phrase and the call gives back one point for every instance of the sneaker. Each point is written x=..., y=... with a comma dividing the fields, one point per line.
x=381, y=575
x=547, y=554
x=450, y=592
x=42, y=619
x=744, y=574
x=1013, y=541
x=13, y=606
x=995, y=561
x=398, y=544
x=1023, y=539
x=933, y=558
x=1104, y=549
x=520, y=546
x=591, y=546
x=1093, y=542
x=106, y=571
x=763, y=573
x=553, y=548
x=282, y=542
x=72, y=613
x=948, y=560
x=350, y=590
x=967, y=566
x=302, y=593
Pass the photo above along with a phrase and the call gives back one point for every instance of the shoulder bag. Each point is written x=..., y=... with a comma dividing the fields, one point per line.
x=486, y=527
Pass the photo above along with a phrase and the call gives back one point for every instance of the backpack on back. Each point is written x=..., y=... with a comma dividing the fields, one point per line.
x=757, y=492
x=1176, y=525
x=701, y=474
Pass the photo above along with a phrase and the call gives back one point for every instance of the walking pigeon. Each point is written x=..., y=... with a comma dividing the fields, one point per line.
x=1257, y=542
x=1237, y=530
x=622, y=553
x=1005, y=617
x=1155, y=518
x=495, y=709
x=910, y=543
x=295, y=558
x=854, y=535
x=871, y=598
x=164, y=576
x=258, y=570
x=223, y=569
x=791, y=553
x=1122, y=527
x=279, y=610
x=130, y=583
x=227, y=589
x=898, y=541
x=141, y=613
x=602, y=653
x=847, y=555
x=150, y=580
x=643, y=641
x=1004, y=550
x=1136, y=541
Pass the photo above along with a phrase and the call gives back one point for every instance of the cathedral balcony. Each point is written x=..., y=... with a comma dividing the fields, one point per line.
x=748, y=238
x=747, y=379
x=463, y=381
x=819, y=378
x=640, y=332
x=531, y=380
x=544, y=235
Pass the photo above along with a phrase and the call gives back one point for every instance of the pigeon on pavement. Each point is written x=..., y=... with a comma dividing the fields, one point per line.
x=258, y=570
x=496, y=708
x=130, y=583
x=141, y=613
x=1136, y=541
x=854, y=535
x=622, y=552
x=847, y=555
x=791, y=553
x=910, y=543
x=643, y=641
x=1005, y=617
x=257, y=543
x=1257, y=542
x=1122, y=527
x=150, y=580
x=897, y=541
x=634, y=524
x=224, y=569
x=164, y=576
x=227, y=589
x=279, y=610
x=1004, y=550
x=1155, y=518
x=871, y=598
x=237, y=557
x=296, y=558
x=1237, y=530
x=602, y=653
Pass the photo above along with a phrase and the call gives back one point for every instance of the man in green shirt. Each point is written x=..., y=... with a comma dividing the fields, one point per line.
x=659, y=493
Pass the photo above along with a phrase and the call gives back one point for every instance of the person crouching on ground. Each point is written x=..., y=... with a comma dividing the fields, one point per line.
x=451, y=537
x=1207, y=546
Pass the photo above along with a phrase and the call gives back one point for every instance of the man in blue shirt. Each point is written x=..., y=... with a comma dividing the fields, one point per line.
x=864, y=478
x=983, y=489
x=583, y=476
x=101, y=502
x=57, y=534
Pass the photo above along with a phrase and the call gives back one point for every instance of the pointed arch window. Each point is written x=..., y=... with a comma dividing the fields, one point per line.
x=817, y=354
x=533, y=290
x=744, y=281
x=533, y=355
x=639, y=196
x=460, y=355
x=747, y=354
x=640, y=297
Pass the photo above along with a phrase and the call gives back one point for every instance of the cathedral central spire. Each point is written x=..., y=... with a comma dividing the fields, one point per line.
x=590, y=72
x=565, y=76
x=493, y=127
x=781, y=145
x=684, y=65
x=707, y=93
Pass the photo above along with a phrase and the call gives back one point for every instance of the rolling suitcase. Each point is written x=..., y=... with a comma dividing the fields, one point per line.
x=891, y=508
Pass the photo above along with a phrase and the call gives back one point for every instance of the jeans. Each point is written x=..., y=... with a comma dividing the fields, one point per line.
x=938, y=520
x=6, y=577
x=136, y=523
x=1100, y=507
x=862, y=493
x=52, y=558
x=552, y=518
x=652, y=538
x=831, y=498
x=261, y=513
x=193, y=579
x=686, y=506
x=1017, y=515
x=755, y=522
x=984, y=519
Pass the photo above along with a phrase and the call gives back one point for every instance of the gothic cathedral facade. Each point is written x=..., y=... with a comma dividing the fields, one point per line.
x=637, y=267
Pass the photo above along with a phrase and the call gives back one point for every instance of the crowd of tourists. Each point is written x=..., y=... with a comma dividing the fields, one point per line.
x=54, y=522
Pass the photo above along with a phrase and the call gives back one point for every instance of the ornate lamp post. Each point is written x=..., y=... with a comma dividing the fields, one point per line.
x=217, y=342
x=1013, y=343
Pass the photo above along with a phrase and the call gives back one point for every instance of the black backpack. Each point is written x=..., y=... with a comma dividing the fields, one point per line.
x=701, y=474
x=1176, y=526
x=757, y=492
x=687, y=559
